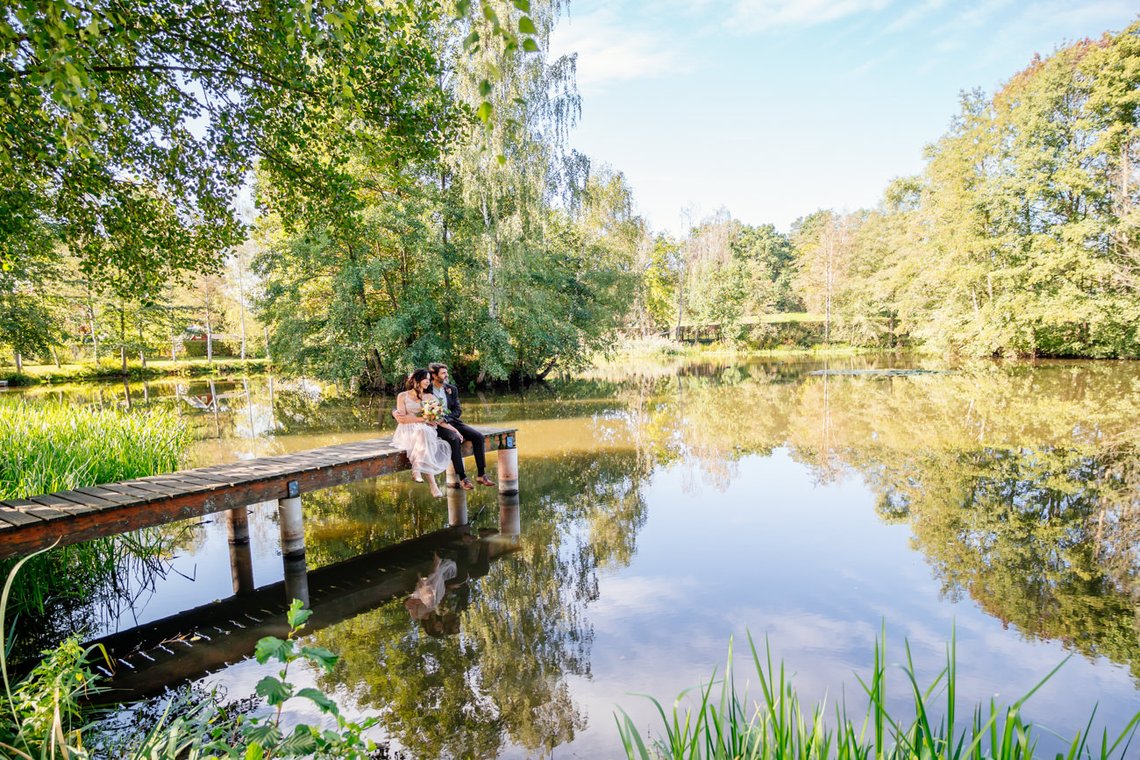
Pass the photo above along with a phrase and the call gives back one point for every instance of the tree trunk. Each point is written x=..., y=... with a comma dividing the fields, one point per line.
x=209, y=334
x=123, y=358
x=241, y=302
x=91, y=324
x=492, y=250
x=19, y=364
x=546, y=370
x=55, y=358
x=446, y=269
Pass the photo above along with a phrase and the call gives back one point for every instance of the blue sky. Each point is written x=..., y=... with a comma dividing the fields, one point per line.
x=775, y=108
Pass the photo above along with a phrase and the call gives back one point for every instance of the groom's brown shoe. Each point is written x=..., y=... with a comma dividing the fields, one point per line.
x=483, y=480
x=466, y=484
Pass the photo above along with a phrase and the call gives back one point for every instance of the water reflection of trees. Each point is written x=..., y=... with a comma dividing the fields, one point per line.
x=1021, y=484
x=523, y=627
x=1044, y=539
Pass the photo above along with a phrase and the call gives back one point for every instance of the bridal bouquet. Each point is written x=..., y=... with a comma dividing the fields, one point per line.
x=432, y=410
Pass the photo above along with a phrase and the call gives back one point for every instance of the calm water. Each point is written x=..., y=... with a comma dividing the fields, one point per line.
x=667, y=509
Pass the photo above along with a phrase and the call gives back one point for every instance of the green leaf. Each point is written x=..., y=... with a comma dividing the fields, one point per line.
x=272, y=647
x=484, y=88
x=501, y=159
x=320, y=655
x=529, y=45
x=484, y=112
x=275, y=691
x=321, y=700
x=298, y=614
x=262, y=734
x=471, y=41
x=254, y=752
x=526, y=26
x=522, y=5
x=462, y=8
x=300, y=743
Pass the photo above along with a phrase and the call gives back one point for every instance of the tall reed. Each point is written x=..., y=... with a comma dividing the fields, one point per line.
x=723, y=724
x=51, y=446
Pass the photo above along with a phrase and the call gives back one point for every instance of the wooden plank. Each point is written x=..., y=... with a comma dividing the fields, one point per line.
x=114, y=497
x=16, y=518
x=28, y=507
x=140, y=493
x=54, y=501
x=85, y=499
x=187, y=482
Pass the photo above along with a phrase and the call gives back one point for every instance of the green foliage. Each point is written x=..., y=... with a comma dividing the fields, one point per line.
x=261, y=737
x=730, y=725
x=505, y=257
x=1020, y=238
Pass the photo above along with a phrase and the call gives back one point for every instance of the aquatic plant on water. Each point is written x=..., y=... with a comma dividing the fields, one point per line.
x=726, y=724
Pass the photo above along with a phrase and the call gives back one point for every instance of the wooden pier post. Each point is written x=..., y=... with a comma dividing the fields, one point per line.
x=456, y=506
x=451, y=479
x=292, y=522
x=241, y=558
x=508, y=467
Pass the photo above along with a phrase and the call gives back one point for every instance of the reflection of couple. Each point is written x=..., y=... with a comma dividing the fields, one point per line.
x=431, y=432
x=424, y=602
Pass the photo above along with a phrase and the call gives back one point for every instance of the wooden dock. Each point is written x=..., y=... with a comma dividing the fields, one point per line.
x=68, y=517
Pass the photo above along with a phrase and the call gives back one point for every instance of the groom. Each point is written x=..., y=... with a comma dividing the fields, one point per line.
x=448, y=396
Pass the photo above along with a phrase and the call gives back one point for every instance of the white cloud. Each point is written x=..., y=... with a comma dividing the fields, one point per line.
x=609, y=50
x=760, y=15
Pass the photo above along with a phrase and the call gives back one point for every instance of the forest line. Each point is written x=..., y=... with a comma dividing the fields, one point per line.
x=463, y=227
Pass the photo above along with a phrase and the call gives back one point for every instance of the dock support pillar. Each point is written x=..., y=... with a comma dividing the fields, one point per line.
x=292, y=523
x=508, y=467
x=456, y=506
x=297, y=579
x=510, y=523
x=452, y=479
x=241, y=558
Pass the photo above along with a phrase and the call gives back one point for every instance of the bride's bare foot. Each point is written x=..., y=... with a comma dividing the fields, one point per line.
x=417, y=477
x=434, y=487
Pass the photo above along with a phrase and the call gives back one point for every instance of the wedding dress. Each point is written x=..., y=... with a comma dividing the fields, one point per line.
x=431, y=589
x=428, y=453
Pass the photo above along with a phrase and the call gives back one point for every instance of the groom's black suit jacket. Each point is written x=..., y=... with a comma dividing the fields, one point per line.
x=454, y=410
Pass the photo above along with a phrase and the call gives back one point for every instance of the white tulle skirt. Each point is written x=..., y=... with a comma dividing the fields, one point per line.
x=428, y=453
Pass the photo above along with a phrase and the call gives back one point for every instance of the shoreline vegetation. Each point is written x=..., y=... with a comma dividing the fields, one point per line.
x=720, y=721
x=50, y=374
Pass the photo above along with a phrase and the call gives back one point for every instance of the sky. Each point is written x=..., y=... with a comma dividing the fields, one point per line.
x=776, y=108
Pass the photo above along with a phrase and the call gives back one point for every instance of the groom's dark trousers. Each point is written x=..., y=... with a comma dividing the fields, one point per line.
x=455, y=440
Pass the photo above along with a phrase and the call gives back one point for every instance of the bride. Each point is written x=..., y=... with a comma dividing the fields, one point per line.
x=429, y=454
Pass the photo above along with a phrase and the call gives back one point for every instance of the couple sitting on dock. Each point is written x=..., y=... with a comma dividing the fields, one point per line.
x=430, y=429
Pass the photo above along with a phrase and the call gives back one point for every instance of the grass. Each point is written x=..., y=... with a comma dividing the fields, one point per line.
x=51, y=447
x=109, y=369
x=55, y=447
x=778, y=727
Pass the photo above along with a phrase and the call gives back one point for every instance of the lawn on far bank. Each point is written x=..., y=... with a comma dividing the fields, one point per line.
x=112, y=369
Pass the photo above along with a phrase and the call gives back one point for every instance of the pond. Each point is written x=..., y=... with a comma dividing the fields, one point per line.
x=669, y=508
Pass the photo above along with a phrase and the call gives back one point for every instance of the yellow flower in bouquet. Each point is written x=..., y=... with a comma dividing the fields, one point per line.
x=433, y=410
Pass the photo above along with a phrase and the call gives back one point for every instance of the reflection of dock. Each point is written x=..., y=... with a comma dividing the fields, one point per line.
x=194, y=643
